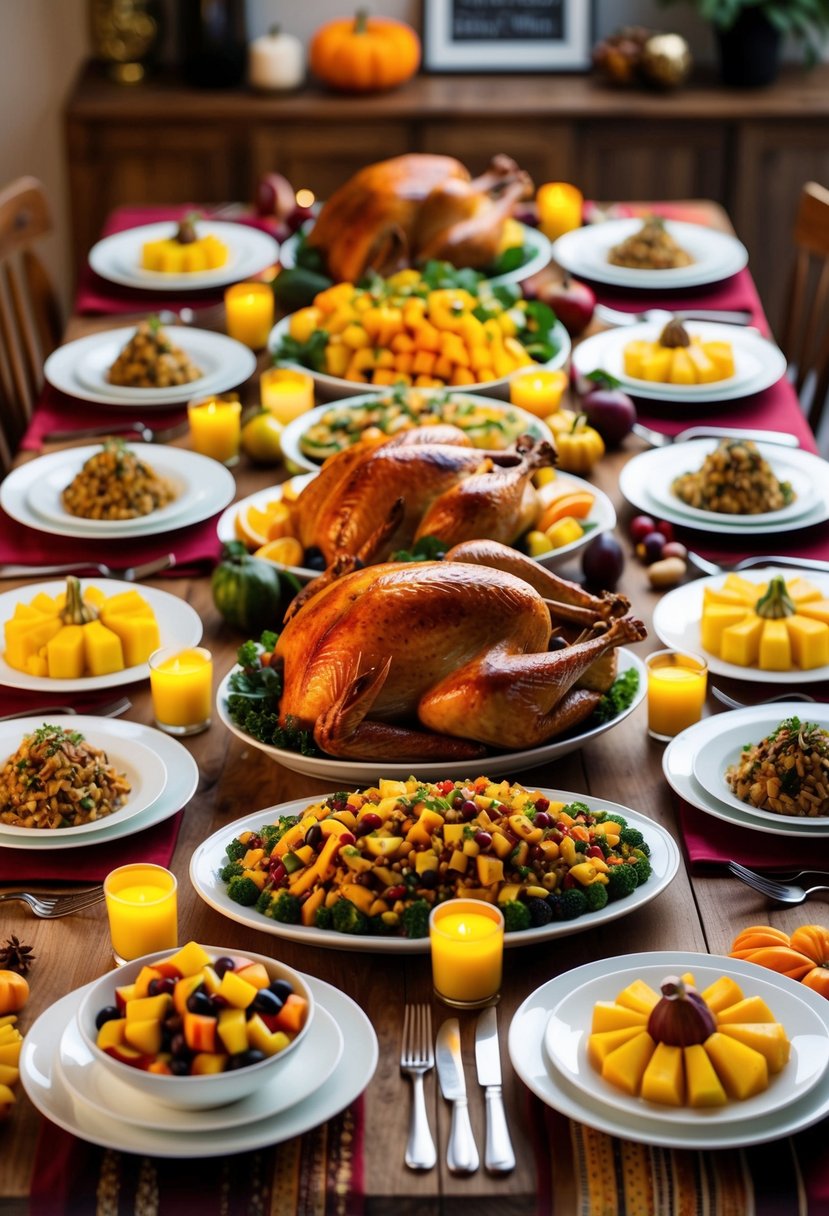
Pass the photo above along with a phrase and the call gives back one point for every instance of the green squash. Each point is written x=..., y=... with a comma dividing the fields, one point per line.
x=251, y=593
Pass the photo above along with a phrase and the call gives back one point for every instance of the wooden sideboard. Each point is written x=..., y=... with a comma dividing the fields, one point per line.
x=162, y=142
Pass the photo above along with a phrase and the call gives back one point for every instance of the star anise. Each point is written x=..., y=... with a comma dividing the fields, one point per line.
x=16, y=956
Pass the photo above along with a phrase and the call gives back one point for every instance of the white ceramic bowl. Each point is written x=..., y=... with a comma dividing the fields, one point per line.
x=187, y=1093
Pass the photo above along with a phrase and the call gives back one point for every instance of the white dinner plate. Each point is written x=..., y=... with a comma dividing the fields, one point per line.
x=210, y=857
x=653, y=473
x=532, y=237
x=178, y=625
x=80, y=368
x=677, y=616
x=337, y=387
x=295, y=431
x=638, y=475
x=144, y=769
x=30, y=494
x=41, y=1077
x=678, y=767
x=584, y=252
x=600, y=518
x=758, y=362
x=529, y=1059
x=105, y=1094
x=327, y=768
x=568, y=1030
x=182, y=780
x=118, y=257
x=725, y=749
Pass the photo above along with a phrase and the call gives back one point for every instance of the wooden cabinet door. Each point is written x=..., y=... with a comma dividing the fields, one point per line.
x=322, y=157
x=645, y=160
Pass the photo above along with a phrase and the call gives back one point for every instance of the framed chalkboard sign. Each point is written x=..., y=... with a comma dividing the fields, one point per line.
x=507, y=35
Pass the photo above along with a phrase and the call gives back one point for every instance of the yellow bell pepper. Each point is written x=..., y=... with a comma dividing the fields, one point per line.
x=579, y=448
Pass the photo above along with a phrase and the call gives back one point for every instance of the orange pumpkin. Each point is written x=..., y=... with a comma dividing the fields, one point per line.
x=363, y=54
x=802, y=956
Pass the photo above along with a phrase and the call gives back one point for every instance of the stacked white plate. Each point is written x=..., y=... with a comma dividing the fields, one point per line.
x=646, y=483
x=695, y=762
x=758, y=362
x=118, y=257
x=31, y=493
x=80, y=368
x=320, y=1079
x=548, y=1039
x=163, y=777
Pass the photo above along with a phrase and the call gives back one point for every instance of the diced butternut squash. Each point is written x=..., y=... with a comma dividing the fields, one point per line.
x=607, y=1015
x=769, y=1038
x=742, y=1070
x=599, y=1046
x=809, y=638
x=775, y=652
x=626, y=1066
x=741, y=642
x=703, y=1085
x=638, y=996
x=750, y=1009
x=664, y=1078
x=722, y=993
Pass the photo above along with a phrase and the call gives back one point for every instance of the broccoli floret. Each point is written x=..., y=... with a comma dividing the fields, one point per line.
x=379, y=927
x=248, y=655
x=576, y=808
x=285, y=908
x=516, y=916
x=323, y=918
x=236, y=850
x=631, y=836
x=643, y=870
x=573, y=904
x=346, y=917
x=231, y=870
x=243, y=891
x=581, y=846
x=263, y=903
x=596, y=896
x=621, y=880
x=540, y=912
x=414, y=919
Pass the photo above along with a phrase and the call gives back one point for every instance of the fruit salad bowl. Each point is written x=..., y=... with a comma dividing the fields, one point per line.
x=148, y=1024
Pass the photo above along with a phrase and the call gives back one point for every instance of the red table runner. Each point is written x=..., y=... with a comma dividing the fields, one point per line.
x=155, y=846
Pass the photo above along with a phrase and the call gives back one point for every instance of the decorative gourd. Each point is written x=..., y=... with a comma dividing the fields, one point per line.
x=803, y=956
x=14, y=992
x=363, y=54
x=250, y=593
x=777, y=626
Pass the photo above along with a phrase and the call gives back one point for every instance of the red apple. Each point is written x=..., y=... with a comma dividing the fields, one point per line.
x=275, y=196
x=611, y=412
x=572, y=302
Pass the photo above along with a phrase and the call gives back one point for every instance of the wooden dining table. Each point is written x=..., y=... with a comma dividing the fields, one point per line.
x=695, y=913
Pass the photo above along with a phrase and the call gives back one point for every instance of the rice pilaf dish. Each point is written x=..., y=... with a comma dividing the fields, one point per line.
x=56, y=779
x=651, y=248
x=151, y=360
x=115, y=484
x=787, y=772
x=734, y=480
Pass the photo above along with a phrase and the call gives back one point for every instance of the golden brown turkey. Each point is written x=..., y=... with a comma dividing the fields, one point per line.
x=404, y=211
x=432, y=660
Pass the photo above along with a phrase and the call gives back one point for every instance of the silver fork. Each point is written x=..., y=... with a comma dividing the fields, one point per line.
x=800, y=563
x=49, y=907
x=615, y=316
x=416, y=1058
x=658, y=439
x=783, y=892
x=733, y=703
x=145, y=432
x=113, y=709
x=131, y=575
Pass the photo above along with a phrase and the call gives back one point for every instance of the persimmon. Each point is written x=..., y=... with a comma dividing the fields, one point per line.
x=14, y=992
x=803, y=955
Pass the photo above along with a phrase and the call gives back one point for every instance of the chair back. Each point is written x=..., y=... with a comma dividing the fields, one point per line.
x=806, y=329
x=29, y=315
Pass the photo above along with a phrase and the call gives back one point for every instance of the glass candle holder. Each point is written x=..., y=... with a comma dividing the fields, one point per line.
x=181, y=683
x=249, y=309
x=677, y=682
x=216, y=427
x=538, y=392
x=286, y=393
x=142, y=909
x=466, y=937
x=559, y=208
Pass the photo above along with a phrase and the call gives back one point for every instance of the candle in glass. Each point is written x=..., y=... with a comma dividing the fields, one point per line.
x=676, y=691
x=538, y=392
x=216, y=427
x=181, y=683
x=466, y=937
x=249, y=312
x=142, y=910
x=559, y=208
x=286, y=393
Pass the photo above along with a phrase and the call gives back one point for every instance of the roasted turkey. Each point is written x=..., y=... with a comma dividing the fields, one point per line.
x=435, y=659
x=404, y=211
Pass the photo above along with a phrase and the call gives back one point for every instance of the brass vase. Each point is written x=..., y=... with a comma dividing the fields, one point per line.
x=125, y=36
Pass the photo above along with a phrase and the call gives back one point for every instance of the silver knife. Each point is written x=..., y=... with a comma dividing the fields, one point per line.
x=499, y=1157
x=461, y=1153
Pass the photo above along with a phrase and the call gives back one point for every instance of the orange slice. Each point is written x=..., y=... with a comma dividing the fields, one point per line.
x=252, y=523
x=577, y=504
x=286, y=551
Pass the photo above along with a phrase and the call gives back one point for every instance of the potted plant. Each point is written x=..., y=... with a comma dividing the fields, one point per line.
x=750, y=34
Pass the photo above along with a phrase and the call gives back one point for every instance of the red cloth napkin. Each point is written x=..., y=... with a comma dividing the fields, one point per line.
x=712, y=843
x=97, y=295
x=57, y=412
x=318, y=1174
x=156, y=845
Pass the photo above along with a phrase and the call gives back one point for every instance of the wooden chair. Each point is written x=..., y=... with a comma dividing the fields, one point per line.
x=806, y=327
x=30, y=323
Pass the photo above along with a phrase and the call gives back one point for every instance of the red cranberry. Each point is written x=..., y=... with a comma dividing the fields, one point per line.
x=542, y=804
x=641, y=526
x=468, y=809
x=346, y=838
x=369, y=822
x=542, y=820
x=396, y=892
x=483, y=839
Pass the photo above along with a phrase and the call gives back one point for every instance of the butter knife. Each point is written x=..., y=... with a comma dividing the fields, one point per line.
x=461, y=1153
x=499, y=1157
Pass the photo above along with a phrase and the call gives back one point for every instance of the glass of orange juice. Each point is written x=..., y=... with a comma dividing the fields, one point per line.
x=677, y=682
